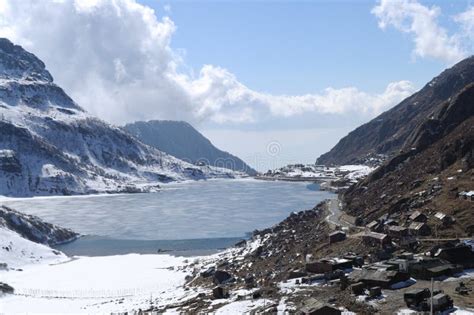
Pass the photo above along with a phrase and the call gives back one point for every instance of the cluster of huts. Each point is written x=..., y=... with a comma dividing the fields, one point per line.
x=405, y=231
x=361, y=275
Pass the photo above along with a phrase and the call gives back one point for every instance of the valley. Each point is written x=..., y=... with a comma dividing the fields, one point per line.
x=150, y=217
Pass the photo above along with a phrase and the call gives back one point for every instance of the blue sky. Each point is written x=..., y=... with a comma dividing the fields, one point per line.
x=299, y=47
x=296, y=47
x=247, y=74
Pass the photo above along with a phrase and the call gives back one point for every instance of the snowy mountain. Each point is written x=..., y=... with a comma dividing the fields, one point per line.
x=183, y=141
x=49, y=145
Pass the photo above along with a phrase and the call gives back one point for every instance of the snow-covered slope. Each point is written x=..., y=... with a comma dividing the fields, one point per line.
x=49, y=145
x=24, y=239
x=18, y=252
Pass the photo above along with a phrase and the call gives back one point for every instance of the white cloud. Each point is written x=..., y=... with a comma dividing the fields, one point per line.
x=114, y=58
x=219, y=91
x=466, y=21
x=430, y=39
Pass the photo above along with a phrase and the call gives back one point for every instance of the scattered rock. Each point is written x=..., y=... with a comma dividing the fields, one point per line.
x=220, y=292
x=209, y=272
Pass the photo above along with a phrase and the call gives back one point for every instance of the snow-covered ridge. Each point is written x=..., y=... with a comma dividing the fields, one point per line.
x=33, y=228
x=50, y=146
x=320, y=172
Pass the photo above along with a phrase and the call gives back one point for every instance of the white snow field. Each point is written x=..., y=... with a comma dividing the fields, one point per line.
x=48, y=282
x=18, y=252
x=95, y=285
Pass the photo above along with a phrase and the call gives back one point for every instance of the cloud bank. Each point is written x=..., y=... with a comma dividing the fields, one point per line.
x=114, y=58
x=421, y=22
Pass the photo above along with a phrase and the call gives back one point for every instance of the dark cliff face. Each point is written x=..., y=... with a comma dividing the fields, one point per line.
x=392, y=131
x=180, y=139
x=15, y=62
x=27, y=81
x=436, y=163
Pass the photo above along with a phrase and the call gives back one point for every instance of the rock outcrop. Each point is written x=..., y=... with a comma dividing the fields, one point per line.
x=34, y=229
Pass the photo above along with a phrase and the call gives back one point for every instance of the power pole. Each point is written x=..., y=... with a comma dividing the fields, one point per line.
x=431, y=304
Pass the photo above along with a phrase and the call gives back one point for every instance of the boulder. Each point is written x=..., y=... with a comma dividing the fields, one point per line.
x=257, y=294
x=249, y=280
x=208, y=273
x=221, y=276
x=5, y=288
x=220, y=292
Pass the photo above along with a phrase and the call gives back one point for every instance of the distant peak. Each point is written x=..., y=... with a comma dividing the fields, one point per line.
x=17, y=63
x=162, y=123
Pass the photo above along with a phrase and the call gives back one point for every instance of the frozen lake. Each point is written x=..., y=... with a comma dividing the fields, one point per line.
x=195, y=216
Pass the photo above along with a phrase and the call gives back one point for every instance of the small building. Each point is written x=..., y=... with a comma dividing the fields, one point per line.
x=376, y=239
x=337, y=236
x=328, y=265
x=443, y=270
x=462, y=255
x=315, y=307
x=406, y=255
x=398, y=232
x=375, y=292
x=467, y=195
x=358, y=288
x=378, y=278
x=444, y=218
x=428, y=268
x=390, y=222
x=417, y=216
x=400, y=263
x=383, y=266
x=441, y=302
x=419, y=229
x=415, y=296
x=374, y=226
x=357, y=261
x=408, y=242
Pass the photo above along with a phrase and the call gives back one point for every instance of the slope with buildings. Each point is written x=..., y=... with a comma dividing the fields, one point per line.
x=393, y=130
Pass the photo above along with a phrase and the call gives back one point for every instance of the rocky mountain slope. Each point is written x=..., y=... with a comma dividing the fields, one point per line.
x=396, y=129
x=428, y=175
x=183, y=141
x=33, y=228
x=49, y=145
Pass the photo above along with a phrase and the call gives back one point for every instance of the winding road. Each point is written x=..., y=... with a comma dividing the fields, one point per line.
x=335, y=213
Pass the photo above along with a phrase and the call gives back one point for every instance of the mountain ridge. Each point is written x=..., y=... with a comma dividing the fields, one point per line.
x=182, y=140
x=429, y=174
x=389, y=132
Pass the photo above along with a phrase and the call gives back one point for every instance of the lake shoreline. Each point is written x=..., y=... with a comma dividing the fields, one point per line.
x=226, y=211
